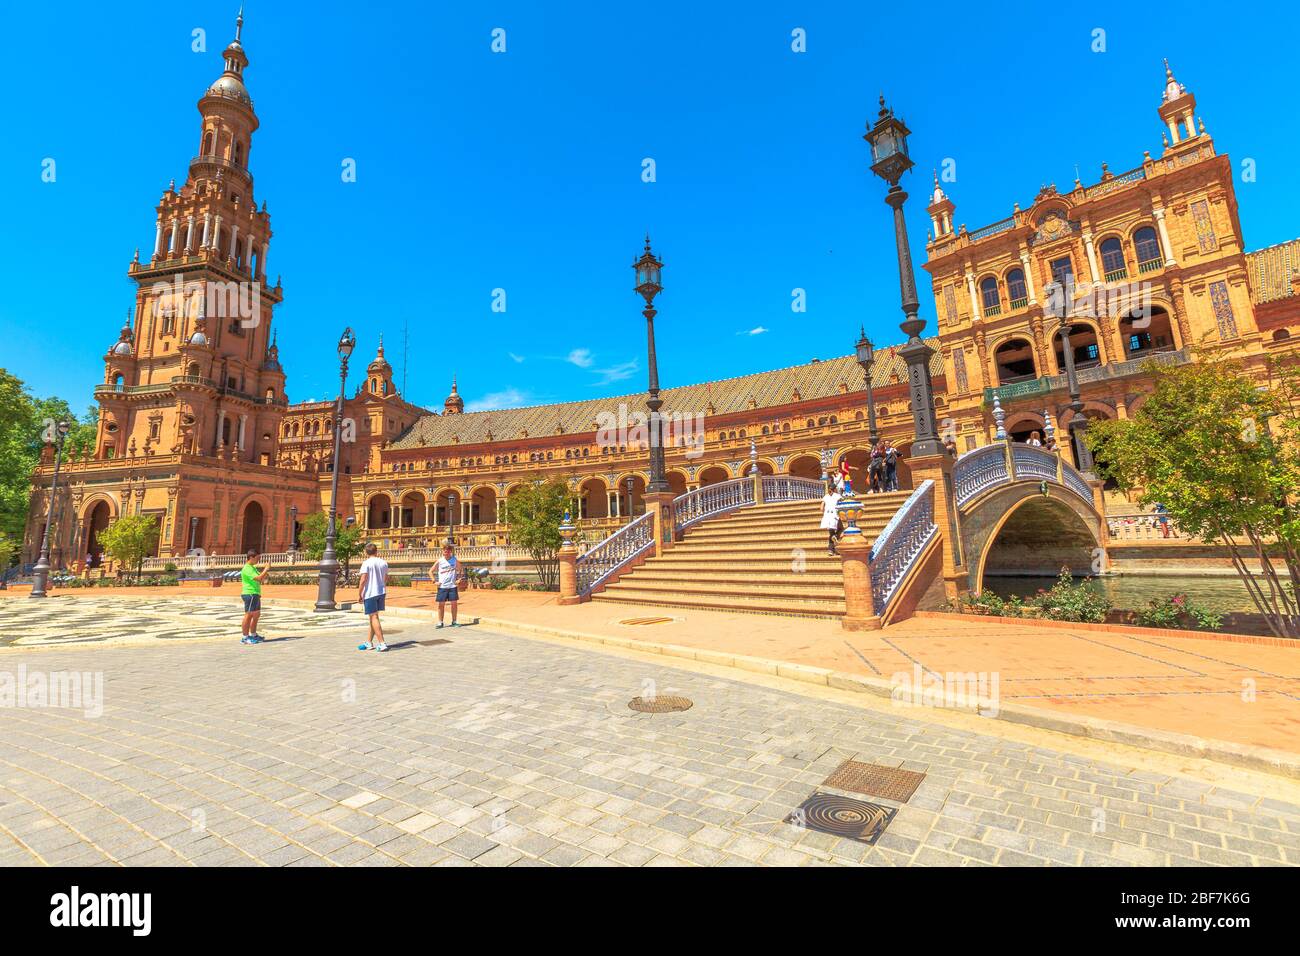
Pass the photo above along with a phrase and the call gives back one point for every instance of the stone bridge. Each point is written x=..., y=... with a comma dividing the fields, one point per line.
x=1025, y=511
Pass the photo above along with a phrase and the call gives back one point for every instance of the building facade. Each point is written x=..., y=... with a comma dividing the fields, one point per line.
x=195, y=426
x=1149, y=264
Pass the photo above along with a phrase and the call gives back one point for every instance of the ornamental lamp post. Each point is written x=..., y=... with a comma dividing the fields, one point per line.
x=329, y=562
x=451, y=518
x=888, y=139
x=648, y=286
x=866, y=353
x=293, y=527
x=41, y=573
x=1077, y=426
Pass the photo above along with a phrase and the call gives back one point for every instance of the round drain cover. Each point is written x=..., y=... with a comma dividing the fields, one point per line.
x=659, y=705
x=843, y=816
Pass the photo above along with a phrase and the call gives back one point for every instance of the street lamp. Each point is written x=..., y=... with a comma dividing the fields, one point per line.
x=41, y=573
x=867, y=358
x=451, y=518
x=648, y=286
x=888, y=139
x=329, y=562
x=1078, y=424
x=293, y=527
x=631, y=511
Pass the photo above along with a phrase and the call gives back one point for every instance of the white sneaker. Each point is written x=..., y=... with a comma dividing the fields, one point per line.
x=381, y=646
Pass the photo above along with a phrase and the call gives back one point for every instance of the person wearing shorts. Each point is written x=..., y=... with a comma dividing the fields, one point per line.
x=374, y=585
x=448, y=574
x=250, y=580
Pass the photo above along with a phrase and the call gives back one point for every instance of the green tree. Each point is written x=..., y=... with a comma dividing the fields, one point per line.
x=534, y=513
x=347, y=539
x=1219, y=450
x=7, y=549
x=24, y=429
x=130, y=539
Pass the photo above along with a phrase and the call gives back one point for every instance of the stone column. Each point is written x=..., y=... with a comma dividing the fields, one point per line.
x=859, y=607
x=938, y=468
x=660, y=505
x=248, y=254
x=1092, y=257
x=234, y=242
x=176, y=226
x=189, y=234
x=974, y=299
x=216, y=230
x=243, y=421
x=1029, y=278
x=568, y=564
x=261, y=264
x=157, y=242
x=207, y=227
x=1165, y=244
x=221, y=428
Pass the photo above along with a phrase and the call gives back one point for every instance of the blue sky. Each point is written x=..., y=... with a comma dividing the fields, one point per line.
x=522, y=170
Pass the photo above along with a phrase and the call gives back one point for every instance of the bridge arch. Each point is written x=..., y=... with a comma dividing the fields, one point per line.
x=1016, y=529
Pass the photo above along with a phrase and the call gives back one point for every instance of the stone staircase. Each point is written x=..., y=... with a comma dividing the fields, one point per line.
x=767, y=559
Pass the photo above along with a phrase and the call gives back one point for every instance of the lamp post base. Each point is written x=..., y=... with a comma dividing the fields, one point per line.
x=329, y=570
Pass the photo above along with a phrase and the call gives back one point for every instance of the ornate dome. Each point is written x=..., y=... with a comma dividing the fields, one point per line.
x=454, y=404
x=379, y=365
x=123, y=344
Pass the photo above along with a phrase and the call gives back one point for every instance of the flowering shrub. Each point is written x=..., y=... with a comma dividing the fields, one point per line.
x=1179, y=611
x=1065, y=601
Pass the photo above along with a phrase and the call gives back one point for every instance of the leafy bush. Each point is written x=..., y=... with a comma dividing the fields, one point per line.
x=1067, y=601
x=1179, y=611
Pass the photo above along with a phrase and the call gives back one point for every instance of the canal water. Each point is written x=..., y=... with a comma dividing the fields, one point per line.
x=1133, y=592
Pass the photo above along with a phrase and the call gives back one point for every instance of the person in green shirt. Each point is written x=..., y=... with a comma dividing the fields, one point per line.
x=250, y=580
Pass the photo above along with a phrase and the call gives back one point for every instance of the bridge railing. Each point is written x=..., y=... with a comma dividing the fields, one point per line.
x=623, y=546
x=711, y=500
x=900, y=544
x=788, y=488
x=998, y=464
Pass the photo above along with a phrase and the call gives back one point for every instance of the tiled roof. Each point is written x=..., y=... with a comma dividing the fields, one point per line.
x=1271, y=270
x=813, y=380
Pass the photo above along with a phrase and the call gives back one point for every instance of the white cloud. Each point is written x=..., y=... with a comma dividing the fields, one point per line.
x=506, y=398
x=581, y=358
x=756, y=330
x=616, y=373
x=516, y=358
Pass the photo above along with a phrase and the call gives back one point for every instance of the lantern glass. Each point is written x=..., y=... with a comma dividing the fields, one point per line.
x=347, y=342
x=866, y=352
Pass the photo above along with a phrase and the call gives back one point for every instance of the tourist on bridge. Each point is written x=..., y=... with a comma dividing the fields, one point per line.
x=876, y=468
x=831, y=517
x=891, y=467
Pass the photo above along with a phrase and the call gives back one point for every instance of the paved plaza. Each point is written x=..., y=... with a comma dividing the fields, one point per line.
x=469, y=746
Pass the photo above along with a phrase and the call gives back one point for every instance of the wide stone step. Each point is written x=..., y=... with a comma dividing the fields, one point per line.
x=819, y=562
x=726, y=537
x=726, y=591
x=759, y=605
x=737, y=580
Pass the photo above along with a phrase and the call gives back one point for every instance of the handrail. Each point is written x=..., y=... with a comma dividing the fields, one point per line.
x=897, y=547
x=790, y=488
x=711, y=500
x=986, y=467
x=624, y=545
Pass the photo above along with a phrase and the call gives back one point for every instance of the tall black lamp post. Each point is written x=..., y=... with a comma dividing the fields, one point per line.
x=888, y=139
x=647, y=286
x=452, y=501
x=41, y=572
x=329, y=562
x=867, y=358
x=1078, y=424
x=293, y=527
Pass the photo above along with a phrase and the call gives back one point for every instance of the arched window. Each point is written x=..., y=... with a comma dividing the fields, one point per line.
x=1281, y=335
x=207, y=143
x=1016, y=290
x=239, y=152
x=1112, y=260
x=118, y=383
x=989, y=295
x=1147, y=247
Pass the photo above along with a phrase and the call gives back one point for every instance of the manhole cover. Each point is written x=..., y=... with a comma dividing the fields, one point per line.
x=887, y=783
x=842, y=817
x=659, y=705
x=642, y=621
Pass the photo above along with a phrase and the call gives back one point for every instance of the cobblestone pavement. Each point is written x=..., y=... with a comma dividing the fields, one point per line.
x=470, y=747
x=113, y=620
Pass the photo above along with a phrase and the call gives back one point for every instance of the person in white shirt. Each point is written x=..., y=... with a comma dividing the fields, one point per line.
x=374, y=585
x=831, y=517
x=449, y=574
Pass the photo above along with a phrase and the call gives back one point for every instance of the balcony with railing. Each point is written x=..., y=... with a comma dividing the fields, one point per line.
x=1115, y=275
x=1151, y=265
x=1086, y=373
